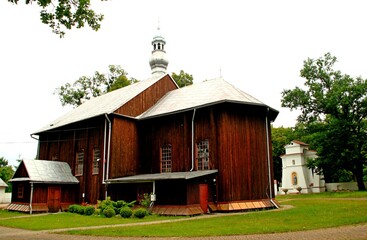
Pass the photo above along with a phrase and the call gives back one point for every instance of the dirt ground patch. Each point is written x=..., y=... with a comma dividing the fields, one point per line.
x=339, y=233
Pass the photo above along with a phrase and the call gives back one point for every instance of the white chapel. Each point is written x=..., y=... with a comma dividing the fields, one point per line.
x=297, y=177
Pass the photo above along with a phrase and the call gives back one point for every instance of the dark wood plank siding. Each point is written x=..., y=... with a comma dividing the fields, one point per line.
x=148, y=98
x=237, y=147
x=63, y=144
x=174, y=130
x=40, y=193
x=243, y=165
x=124, y=148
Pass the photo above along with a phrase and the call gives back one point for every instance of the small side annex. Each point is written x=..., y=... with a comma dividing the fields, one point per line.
x=42, y=186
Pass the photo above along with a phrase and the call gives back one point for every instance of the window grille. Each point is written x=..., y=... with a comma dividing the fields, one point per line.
x=166, y=159
x=96, y=159
x=79, y=163
x=203, y=155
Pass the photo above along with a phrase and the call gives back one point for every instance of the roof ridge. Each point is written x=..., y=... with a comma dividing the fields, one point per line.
x=103, y=104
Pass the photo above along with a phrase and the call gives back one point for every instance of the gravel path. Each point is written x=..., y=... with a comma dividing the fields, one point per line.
x=339, y=233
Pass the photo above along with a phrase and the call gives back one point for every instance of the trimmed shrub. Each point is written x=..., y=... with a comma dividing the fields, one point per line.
x=80, y=209
x=73, y=208
x=89, y=210
x=140, y=213
x=109, y=212
x=115, y=205
x=126, y=212
x=105, y=203
x=98, y=212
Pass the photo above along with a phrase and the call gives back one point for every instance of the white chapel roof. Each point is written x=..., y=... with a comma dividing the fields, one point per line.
x=199, y=95
x=2, y=183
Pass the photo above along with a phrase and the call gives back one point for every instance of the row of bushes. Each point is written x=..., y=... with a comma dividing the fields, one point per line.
x=109, y=208
x=82, y=210
x=126, y=212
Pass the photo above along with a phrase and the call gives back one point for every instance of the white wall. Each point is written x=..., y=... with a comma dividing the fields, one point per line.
x=4, y=197
x=294, y=161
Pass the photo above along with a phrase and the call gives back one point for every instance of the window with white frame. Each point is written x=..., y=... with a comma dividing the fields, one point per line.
x=166, y=158
x=202, y=155
x=79, y=163
x=96, y=159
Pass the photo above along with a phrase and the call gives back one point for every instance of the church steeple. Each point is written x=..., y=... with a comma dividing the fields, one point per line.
x=158, y=61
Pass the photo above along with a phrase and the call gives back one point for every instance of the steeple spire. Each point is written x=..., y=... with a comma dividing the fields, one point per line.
x=158, y=61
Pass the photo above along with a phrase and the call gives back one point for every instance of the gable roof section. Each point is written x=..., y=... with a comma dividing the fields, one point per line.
x=300, y=143
x=104, y=104
x=200, y=95
x=43, y=171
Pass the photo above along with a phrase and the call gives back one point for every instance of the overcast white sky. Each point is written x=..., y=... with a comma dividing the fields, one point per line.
x=258, y=46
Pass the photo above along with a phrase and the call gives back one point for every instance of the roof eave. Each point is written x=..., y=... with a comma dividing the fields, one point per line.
x=63, y=125
x=273, y=115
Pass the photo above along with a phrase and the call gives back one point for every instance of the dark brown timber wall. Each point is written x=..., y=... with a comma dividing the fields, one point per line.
x=124, y=148
x=237, y=147
x=147, y=98
x=243, y=163
x=64, y=143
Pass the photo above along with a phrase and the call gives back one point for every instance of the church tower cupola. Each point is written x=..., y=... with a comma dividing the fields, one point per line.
x=158, y=61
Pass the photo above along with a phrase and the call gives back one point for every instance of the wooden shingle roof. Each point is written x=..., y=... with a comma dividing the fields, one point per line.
x=104, y=104
x=200, y=95
x=45, y=171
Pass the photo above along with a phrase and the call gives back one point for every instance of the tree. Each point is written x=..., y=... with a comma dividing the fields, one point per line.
x=339, y=103
x=6, y=172
x=279, y=138
x=182, y=79
x=88, y=87
x=66, y=14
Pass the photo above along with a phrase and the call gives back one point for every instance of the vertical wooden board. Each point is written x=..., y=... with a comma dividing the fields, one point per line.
x=124, y=150
x=204, y=196
x=243, y=165
x=54, y=198
x=147, y=98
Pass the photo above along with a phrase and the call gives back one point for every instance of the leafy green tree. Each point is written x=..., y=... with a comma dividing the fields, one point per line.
x=338, y=103
x=88, y=87
x=182, y=79
x=3, y=162
x=66, y=14
x=280, y=137
x=6, y=172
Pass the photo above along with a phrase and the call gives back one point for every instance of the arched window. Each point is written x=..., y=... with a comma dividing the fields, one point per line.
x=294, y=178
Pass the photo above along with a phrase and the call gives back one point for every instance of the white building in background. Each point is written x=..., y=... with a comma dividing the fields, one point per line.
x=4, y=197
x=295, y=172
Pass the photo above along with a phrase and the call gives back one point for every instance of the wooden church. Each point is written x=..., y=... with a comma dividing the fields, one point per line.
x=198, y=149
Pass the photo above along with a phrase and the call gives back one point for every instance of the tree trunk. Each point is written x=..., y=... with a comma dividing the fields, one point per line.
x=359, y=177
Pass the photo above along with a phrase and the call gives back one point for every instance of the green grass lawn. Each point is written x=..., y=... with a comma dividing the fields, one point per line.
x=7, y=214
x=351, y=194
x=306, y=214
x=68, y=220
x=308, y=211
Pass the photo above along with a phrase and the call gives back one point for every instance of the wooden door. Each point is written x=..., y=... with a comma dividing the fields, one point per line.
x=203, y=192
x=54, y=199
